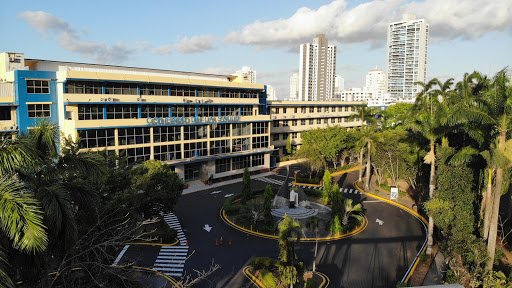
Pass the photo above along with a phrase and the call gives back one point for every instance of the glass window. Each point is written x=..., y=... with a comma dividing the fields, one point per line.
x=311, y=109
x=90, y=111
x=84, y=87
x=5, y=113
x=38, y=86
x=135, y=155
x=167, y=152
x=208, y=111
x=196, y=149
x=122, y=111
x=93, y=138
x=241, y=129
x=207, y=92
x=294, y=122
x=303, y=122
x=275, y=137
x=150, y=110
x=219, y=130
x=318, y=121
x=310, y=121
x=240, y=162
x=220, y=146
x=39, y=110
x=247, y=111
x=222, y=165
x=152, y=89
x=259, y=128
x=183, y=91
x=133, y=135
x=193, y=132
x=275, y=124
x=183, y=111
x=166, y=133
x=229, y=110
x=258, y=160
x=121, y=88
x=240, y=144
x=229, y=93
x=319, y=109
x=259, y=142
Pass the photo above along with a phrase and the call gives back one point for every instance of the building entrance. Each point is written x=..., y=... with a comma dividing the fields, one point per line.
x=196, y=171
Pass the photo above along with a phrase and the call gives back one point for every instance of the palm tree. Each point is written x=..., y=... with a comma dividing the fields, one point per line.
x=366, y=115
x=314, y=224
x=427, y=123
x=290, y=231
x=350, y=211
x=493, y=107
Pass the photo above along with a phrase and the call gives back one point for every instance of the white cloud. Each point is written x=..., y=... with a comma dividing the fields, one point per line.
x=367, y=22
x=219, y=70
x=166, y=49
x=195, y=44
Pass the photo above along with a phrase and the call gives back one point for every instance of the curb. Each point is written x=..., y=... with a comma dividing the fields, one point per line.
x=333, y=174
x=409, y=272
x=257, y=282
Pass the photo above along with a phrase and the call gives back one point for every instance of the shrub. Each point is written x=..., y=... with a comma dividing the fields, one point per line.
x=268, y=279
x=165, y=233
x=499, y=254
x=313, y=193
x=311, y=283
x=424, y=258
x=267, y=263
x=229, y=207
x=315, y=180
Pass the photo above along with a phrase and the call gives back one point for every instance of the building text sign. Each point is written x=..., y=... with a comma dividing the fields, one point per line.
x=189, y=120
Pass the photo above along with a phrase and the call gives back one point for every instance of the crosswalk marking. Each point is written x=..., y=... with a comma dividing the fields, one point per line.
x=270, y=180
x=171, y=259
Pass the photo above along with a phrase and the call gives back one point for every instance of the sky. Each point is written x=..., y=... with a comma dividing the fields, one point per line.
x=220, y=37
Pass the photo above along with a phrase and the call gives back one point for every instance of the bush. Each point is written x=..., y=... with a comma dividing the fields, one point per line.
x=165, y=233
x=313, y=193
x=311, y=283
x=268, y=279
x=267, y=263
x=315, y=180
x=424, y=258
x=229, y=207
x=499, y=254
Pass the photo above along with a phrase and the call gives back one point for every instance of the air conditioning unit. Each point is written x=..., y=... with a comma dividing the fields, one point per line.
x=110, y=99
x=139, y=99
x=102, y=99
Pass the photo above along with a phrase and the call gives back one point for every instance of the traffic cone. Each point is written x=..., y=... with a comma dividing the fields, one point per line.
x=220, y=240
x=229, y=241
x=187, y=242
x=216, y=242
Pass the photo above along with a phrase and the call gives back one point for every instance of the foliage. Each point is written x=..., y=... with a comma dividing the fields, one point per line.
x=327, y=187
x=264, y=263
x=424, y=258
x=311, y=283
x=496, y=279
x=313, y=193
x=289, y=146
x=246, y=186
x=156, y=188
x=290, y=231
x=268, y=279
x=267, y=204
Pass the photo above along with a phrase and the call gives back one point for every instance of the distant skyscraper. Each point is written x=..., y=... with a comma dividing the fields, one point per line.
x=317, y=70
x=246, y=74
x=339, y=83
x=271, y=93
x=406, y=57
x=294, y=87
x=376, y=81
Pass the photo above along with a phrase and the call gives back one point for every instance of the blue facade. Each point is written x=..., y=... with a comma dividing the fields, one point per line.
x=22, y=97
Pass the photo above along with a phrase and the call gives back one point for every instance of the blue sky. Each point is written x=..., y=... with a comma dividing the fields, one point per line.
x=222, y=36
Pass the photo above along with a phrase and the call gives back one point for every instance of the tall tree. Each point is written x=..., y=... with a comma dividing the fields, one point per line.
x=246, y=186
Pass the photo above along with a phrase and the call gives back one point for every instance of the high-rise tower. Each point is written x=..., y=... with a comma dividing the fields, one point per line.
x=406, y=57
x=317, y=70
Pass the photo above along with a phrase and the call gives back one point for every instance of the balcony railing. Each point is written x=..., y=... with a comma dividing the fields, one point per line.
x=6, y=89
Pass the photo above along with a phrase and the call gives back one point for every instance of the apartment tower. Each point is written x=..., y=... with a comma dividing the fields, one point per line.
x=406, y=57
x=317, y=70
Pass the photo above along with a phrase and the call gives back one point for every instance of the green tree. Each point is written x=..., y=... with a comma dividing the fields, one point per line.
x=246, y=186
x=337, y=206
x=289, y=146
x=351, y=211
x=290, y=231
x=268, y=196
x=327, y=187
x=156, y=188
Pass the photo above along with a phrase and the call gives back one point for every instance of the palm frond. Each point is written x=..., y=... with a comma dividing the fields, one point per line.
x=21, y=217
x=5, y=280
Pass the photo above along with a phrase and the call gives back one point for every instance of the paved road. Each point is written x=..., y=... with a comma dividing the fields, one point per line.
x=377, y=257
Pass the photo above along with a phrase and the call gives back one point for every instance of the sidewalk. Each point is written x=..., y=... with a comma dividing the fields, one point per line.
x=198, y=187
x=435, y=274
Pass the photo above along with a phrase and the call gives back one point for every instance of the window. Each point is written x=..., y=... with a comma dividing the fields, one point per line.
x=5, y=113
x=319, y=109
x=38, y=86
x=121, y=88
x=150, y=89
x=258, y=160
x=346, y=108
x=207, y=92
x=294, y=135
x=295, y=110
x=326, y=121
x=303, y=110
x=259, y=142
x=275, y=124
x=122, y=111
x=166, y=133
x=340, y=119
x=311, y=109
x=84, y=87
x=303, y=122
x=154, y=111
x=241, y=129
x=318, y=121
x=38, y=110
x=276, y=110
x=352, y=108
x=219, y=130
x=167, y=152
x=90, y=111
x=96, y=138
x=284, y=123
x=229, y=93
x=246, y=110
x=193, y=132
x=240, y=144
x=134, y=155
x=333, y=109
x=208, y=111
x=220, y=146
x=229, y=110
x=275, y=137
x=183, y=91
x=340, y=109
x=259, y=128
x=196, y=149
x=326, y=109
x=240, y=162
x=222, y=165
x=249, y=94
x=310, y=121
x=284, y=110
x=137, y=135
x=183, y=111
x=294, y=122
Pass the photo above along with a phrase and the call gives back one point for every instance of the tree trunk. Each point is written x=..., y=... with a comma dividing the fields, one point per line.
x=432, y=186
x=493, y=229
x=488, y=206
x=368, y=169
x=361, y=165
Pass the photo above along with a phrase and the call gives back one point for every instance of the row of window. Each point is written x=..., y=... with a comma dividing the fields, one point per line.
x=312, y=109
x=239, y=162
x=332, y=120
x=130, y=111
x=87, y=87
x=284, y=136
x=94, y=138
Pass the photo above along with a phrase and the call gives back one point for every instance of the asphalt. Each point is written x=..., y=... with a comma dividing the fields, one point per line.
x=379, y=256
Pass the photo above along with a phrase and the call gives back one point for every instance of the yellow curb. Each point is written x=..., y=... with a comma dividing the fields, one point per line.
x=407, y=209
x=325, y=279
x=253, y=278
x=268, y=236
x=154, y=244
x=333, y=174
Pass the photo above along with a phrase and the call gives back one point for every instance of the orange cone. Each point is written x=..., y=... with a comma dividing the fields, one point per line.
x=187, y=242
x=216, y=242
x=229, y=241
x=220, y=240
